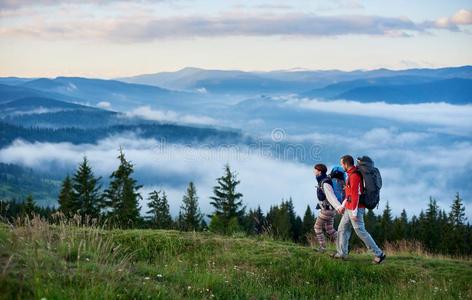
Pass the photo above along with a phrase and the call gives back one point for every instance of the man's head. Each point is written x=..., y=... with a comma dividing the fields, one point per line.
x=347, y=162
x=320, y=169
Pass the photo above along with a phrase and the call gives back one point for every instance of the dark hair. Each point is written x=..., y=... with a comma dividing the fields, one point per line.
x=322, y=168
x=348, y=160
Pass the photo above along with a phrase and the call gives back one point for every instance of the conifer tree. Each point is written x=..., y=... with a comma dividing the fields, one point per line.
x=159, y=209
x=226, y=200
x=254, y=221
x=457, y=214
x=430, y=227
x=86, y=194
x=279, y=222
x=122, y=196
x=66, y=201
x=29, y=206
x=295, y=221
x=190, y=217
x=386, y=224
x=308, y=223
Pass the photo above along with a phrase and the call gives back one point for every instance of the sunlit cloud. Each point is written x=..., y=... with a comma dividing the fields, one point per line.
x=148, y=27
x=15, y=4
x=461, y=17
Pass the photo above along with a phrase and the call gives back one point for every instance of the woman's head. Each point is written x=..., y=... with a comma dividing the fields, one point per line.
x=320, y=169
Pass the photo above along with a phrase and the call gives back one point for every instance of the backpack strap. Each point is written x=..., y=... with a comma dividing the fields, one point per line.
x=360, y=175
x=328, y=180
x=325, y=180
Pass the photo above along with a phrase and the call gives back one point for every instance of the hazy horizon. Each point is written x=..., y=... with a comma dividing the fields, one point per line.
x=294, y=69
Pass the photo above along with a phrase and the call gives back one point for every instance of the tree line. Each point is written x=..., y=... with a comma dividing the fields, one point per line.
x=118, y=206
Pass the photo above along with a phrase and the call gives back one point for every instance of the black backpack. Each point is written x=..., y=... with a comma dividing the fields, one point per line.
x=372, y=182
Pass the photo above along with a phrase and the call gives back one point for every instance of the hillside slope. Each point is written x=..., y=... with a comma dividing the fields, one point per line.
x=63, y=262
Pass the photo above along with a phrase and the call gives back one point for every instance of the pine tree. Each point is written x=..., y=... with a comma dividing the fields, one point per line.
x=67, y=203
x=159, y=208
x=386, y=224
x=446, y=233
x=307, y=224
x=404, y=219
x=431, y=227
x=260, y=220
x=29, y=206
x=226, y=200
x=457, y=214
x=86, y=194
x=400, y=227
x=122, y=196
x=255, y=221
x=295, y=222
x=190, y=217
x=252, y=222
x=278, y=219
x=457, y=231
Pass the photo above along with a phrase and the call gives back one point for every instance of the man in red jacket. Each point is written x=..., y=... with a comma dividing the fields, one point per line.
x=353, y=215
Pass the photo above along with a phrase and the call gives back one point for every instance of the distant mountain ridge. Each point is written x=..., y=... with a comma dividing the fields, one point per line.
x=325, y=84
x=51, y=113
x=192, y=78
x=189, y=88
x=398, y=90
x=454, y=91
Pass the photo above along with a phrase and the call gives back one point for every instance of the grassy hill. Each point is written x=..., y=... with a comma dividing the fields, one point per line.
x=71, y=262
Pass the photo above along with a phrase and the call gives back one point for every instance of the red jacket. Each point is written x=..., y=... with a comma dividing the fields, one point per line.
x=353, y=189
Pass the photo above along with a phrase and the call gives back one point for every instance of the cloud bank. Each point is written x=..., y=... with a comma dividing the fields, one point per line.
x=148, y=27
x=411, y=172
x=164, y=166
x=146, y=112
x=456, y=117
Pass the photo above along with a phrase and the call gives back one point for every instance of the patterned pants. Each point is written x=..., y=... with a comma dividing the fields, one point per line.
x=325, y=219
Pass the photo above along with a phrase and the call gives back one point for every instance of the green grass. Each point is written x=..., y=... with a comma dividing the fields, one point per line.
x=69, y=262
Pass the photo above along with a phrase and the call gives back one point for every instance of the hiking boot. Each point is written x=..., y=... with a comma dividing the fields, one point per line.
x=338, y=256
x=379, y=259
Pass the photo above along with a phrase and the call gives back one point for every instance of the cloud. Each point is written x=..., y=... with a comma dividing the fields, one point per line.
x=201, y=90
x=148, y=113
x=38, y=110
x=126, y=28
x=104, y=104
x=455, y=117
x=340, y=4
x=15, y=4
x=375, y=138
x=460, y=18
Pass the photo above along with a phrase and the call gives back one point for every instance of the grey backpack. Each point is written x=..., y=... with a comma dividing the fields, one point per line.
x=372, y=182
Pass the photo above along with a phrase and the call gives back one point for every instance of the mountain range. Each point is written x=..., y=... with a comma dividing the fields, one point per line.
x=189, y=86
x=396, y=86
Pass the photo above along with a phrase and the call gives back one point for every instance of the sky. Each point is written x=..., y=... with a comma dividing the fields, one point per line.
x=114, y=38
